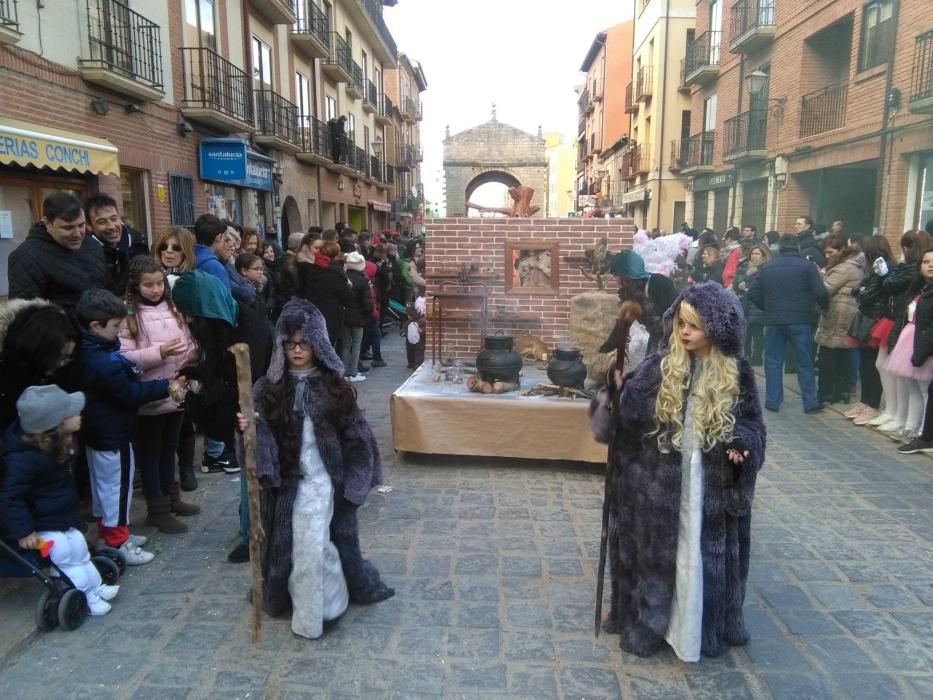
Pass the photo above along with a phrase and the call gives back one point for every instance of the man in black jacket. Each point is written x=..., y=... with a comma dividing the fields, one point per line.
x=119, y=242
x=57, y=261
x=788, y=289
x=806, y=241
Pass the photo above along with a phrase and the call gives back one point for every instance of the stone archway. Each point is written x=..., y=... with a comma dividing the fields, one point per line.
x=291, y=218
x=493, y=152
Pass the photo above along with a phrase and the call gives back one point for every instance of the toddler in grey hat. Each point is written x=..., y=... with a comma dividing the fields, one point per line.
x=42, y=408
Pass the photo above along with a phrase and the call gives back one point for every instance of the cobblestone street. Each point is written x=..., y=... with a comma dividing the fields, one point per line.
x=494, y=570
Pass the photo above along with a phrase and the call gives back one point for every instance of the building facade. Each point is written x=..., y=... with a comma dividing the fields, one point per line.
x=561, y=174
x=646, y=187
x=601, y=105
x=810, y=108
x=404, y=86
x=182, y=108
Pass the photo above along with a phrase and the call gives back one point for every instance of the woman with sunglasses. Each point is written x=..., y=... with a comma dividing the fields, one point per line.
x=174, y=248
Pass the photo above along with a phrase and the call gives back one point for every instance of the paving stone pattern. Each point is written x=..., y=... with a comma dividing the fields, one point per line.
x=494, y=568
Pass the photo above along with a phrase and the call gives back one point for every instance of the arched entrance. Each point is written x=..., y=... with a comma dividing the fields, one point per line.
x=291, y=219
x=490, y=176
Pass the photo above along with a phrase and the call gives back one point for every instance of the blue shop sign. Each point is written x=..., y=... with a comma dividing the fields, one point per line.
x=230, y=161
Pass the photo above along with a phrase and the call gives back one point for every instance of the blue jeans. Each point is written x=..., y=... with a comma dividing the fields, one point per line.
x=801, y=339
x=213, y=448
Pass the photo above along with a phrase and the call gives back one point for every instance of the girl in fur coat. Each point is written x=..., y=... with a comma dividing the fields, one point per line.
x=317, y=461
x=689, y=443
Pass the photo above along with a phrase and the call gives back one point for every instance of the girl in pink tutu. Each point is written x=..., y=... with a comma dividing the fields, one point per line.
x=912, y=370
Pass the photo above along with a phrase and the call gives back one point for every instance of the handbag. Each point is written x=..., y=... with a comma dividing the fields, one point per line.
x=880, y=332
x=861, y=327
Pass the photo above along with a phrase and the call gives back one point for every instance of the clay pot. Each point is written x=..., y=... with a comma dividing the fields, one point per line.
x=566, y=368
x=499, y=360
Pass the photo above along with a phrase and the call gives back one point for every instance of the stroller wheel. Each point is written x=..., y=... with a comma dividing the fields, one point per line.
x=72, y=609
x=107, y=568
x=114, y=555
x=47, y=612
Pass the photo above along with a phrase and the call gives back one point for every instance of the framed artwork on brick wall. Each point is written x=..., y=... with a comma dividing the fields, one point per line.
x=531, y=267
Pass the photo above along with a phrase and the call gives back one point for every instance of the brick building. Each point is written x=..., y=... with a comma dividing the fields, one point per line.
x=180, y=108
x=404, y=85
x=802, y=107
x=601, y=103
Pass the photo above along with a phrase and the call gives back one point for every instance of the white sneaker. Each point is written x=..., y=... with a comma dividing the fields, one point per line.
x=891, y=427
x=357, y=378
x=96, y=605
x=134, y=555
x=107, y=592
x=880, y=419
x=138, y=540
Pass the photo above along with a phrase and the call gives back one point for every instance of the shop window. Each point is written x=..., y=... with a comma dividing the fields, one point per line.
x=877, y=33
x=135, y=189
x=181, y=199
x=224, y=202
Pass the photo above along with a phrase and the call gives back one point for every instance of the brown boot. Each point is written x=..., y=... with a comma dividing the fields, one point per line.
x=178, y=506
x=160, y=516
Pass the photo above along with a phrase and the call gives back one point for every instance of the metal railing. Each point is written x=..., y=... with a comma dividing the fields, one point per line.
x=824, y=110
x=374, y=10
x=921, y=72
x=375, y=169
x=360, y=161
x=746, y=132
x=629, y=103
x=315, y=136
x=698, y=149
x=387, y=106
x=372, y=94
x=643, y=83
x=390, y=174
x=310, y=20
x=750, y=14
x=356, y=78
x=212, y=82
x=702, y=51
x=9, y=14
x=340, y=54
x=584, y=101
x=276, y=116
x=123, y=41
x=412, y=108
x=678, y=155
x=406, y=157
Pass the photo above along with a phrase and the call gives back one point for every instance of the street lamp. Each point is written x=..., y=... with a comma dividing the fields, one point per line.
x=756, y=84
x=376, y=145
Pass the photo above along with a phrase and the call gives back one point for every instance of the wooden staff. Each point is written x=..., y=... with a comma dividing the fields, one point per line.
x=629, y=312
x=244, y=378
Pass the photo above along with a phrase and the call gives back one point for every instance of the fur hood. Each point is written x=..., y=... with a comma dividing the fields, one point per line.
x=721, y=313
x=9, y=310
x=302, y=315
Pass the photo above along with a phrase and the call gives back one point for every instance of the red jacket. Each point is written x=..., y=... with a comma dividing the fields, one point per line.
x=370, y=271
x=728, y=270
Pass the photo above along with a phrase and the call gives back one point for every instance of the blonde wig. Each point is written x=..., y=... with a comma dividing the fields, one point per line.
x=715, y=394
x=185, y=239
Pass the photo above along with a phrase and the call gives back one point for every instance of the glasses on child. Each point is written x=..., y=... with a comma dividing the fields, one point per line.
x=169, y=246
x=297, y=345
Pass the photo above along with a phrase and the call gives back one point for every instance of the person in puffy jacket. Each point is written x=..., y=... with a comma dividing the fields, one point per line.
x=156, y=339
x=324, y=283
x=359, y=313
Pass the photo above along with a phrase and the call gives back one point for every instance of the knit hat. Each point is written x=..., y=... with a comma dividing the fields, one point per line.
x=355, y=261
x=721, y=313
x=199, y=293
x=628, y=264
x=42, y=408
x=302, y=315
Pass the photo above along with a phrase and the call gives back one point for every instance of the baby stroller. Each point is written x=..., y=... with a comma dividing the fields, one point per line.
x=61, y=604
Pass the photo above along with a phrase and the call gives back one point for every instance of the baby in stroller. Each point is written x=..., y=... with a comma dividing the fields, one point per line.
x=38, y=499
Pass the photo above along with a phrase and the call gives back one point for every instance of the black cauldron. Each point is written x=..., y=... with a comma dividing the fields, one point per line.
x=498, y=361
x=566, y=368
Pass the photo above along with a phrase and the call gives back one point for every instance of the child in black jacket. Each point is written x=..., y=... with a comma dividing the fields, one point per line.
x=114, y=395
x=38, y=500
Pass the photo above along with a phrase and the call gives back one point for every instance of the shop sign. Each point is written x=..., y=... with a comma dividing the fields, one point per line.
x=714, y=182
x=44, y=147
x=586, y=200
x=231, y=162
x=640, y=195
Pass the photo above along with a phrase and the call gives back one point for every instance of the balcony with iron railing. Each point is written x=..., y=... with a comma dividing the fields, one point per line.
x=921, y=75
x=338, y=64
x=376, y=171
x=316, y=145
x=216, y=92
x=643, y=84
x=683, y=86
x=370, y=98
x=311, y=31
x=751, y=26
x=407, y=204
x=405, y=158
x=596, y=94
x=702, y=60
x=277, y=124
x=356, y=86
x=124, y=51
x=276, y=11
x=385, y=111
x=390, y=174
x=411, y=110
x=584, y=103
x=698, y=150
x=745, y=136
x=678, y=155
x=631, y=107
x=373, y=13
x=9, y=22
x=361, y=162
x=824, y=110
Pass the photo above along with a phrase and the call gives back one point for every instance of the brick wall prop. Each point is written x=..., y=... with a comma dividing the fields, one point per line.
x=454, y=242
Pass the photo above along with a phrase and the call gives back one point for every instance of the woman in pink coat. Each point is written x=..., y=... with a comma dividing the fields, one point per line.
x=156, y=338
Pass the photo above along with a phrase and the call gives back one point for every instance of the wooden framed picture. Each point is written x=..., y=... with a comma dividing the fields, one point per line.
x=531, y=267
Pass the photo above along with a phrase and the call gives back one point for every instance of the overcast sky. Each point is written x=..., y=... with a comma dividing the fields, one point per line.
x=524, y=55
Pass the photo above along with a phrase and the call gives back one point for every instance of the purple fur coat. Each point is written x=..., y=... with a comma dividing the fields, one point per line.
x=645, y=501
x=349, y=453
